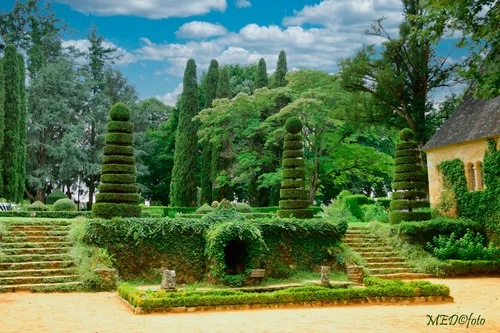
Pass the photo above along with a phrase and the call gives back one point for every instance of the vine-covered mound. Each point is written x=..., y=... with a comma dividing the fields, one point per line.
x=409, y=182
x=117, y=193
x=294, y=198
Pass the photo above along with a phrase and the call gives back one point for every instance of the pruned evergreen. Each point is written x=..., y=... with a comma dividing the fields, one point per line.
x=23, y=114
x=223, y=86
x=261, y=79
x=2, y=121
x=409, y=182
x=294, y=198
x=183, y=186
x=117, y=192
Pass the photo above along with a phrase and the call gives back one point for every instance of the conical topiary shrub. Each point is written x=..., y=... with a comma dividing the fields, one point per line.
x=409, y=182
x=118, y=195
x=294, y=199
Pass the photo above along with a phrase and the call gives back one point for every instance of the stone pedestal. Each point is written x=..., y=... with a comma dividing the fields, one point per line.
x=107, y=278
x=168, y=280
x=325, y=275
x=355, y=274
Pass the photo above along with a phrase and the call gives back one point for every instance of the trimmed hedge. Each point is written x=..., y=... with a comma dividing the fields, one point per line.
x=118, y=150
x=292, y=153
x=119, y=139
x=293, y=137
x=408, y=204
x=157, y=300
x=64, y=204
x=293, y=163
x=424, y=231
x=397, y=217
x=118, y=159
x=294, y=194
x=117, y=197
x=293, y=204
x=46, y=214
x=297, y=174
x=292, y=145
x=118, y=169
x=410, y=195
x=120, y=127
x=293, y=183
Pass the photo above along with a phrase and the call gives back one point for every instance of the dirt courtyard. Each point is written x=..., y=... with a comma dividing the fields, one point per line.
x=478, y=299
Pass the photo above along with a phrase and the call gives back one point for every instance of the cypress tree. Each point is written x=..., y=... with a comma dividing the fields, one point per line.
x=12, y=107
x=211, y=82
x=293, y=195
x=223, y=86
x=22, y=128
x=2, y=121
x=118, y=195
x=261, y=80
x=281, y=69
x=409, y=182
x=183, y=184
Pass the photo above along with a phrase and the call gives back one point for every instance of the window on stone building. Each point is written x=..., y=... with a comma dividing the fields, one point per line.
x=479, y=176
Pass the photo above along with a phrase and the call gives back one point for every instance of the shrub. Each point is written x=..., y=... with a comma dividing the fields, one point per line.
x=242, y=207
x=354, y=203
x=205, y=208
x=470, y=247
x=375, y=212
x=54, y=196
x=37, y=206
x=63, y=205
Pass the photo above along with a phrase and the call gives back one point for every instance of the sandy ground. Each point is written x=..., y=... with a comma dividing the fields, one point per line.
x=105, y=313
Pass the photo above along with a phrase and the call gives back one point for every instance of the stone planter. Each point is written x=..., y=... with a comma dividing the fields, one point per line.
x=355, y=274
x=107, y=278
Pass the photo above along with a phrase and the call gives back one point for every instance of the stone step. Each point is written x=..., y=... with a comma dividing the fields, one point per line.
x=35, y=250
x=38, y=279
x=38, y=222
x=391, y=270
x=380, y=254
x=47, y=287
x=404, y=276
x=366, y=249
x=41, y=227
x=364, y=240
x=22, y=245
x=381, y=259
x=391, y=264
x=39, y=272
x=33, y=239
x=31, y=233
x=35, y=265
x=36, y=257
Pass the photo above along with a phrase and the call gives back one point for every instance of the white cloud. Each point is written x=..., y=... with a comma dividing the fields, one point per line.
x=171, y=97
x=153, y=9
x=197, y=29
x=243, y=4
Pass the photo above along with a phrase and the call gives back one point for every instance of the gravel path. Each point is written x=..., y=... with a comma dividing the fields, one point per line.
x=105, y=313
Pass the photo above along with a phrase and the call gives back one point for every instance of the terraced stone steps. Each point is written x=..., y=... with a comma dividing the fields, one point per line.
x=381, y=259
x=36, y=257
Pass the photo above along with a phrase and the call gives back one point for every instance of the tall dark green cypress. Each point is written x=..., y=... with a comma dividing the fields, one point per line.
x=211, y=82
x=218, y=161
x=10, y=151
x=2, y=121
x=261, y=80
x=223, y=86
x=183, y=185
x=22, y=128
x=281, y=69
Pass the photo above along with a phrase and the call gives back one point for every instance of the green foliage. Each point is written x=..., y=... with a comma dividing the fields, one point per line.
x=281, y=70
x=293, y=125
x=339, y=212
x=45, y=214
x=242, y=207
x=354, y=203
x=261, y=79
x=64, y=204
x=375, y=212
x=54, y=196
x=469, y=247
x=183, y=183
x=118, y=113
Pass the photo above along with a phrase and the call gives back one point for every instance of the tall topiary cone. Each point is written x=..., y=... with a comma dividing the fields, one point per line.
x=294, y=199
x=117, y=193
x=409, y=182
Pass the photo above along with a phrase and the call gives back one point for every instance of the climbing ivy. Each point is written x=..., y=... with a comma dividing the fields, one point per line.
x=482, y=206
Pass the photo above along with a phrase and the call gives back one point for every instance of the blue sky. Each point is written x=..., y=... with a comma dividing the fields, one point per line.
x=157, y=37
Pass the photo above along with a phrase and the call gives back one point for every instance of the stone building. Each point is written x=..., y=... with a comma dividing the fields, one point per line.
x=463, y=136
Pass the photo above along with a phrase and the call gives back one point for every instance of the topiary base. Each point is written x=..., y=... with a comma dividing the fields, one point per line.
x=110, y=210
x=396, y=217
x=298, y=213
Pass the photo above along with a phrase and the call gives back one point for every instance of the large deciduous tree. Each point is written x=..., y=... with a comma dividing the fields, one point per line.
x=183, y=190
x=402, y=72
